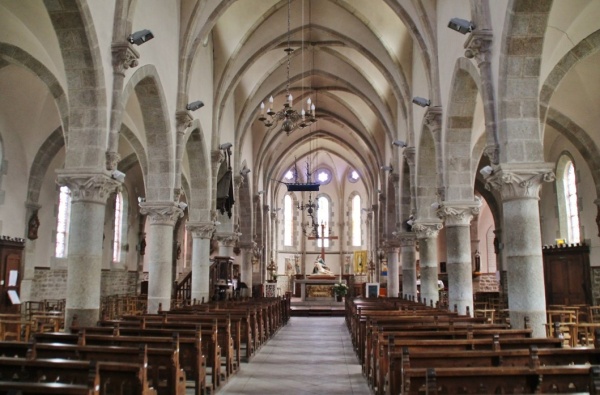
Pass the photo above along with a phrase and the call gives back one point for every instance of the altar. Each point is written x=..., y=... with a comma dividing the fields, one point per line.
x=318, y=288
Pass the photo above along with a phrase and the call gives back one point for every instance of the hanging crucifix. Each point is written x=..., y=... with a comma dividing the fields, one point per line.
x=323, y=237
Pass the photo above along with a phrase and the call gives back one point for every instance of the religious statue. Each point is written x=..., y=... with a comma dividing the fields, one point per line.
x=33, y=226
x=321, y=268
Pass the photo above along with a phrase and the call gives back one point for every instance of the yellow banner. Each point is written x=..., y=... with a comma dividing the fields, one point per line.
x=360, y=262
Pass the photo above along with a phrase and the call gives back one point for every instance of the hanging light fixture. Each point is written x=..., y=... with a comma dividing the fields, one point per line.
x=290, y=118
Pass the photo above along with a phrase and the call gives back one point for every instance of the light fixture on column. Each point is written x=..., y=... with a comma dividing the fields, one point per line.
x=399, y=143
x=139, y=38
x=486, y=171
x=290, y=118
x=387, y=168
x=244, y=172
x=461, y=25
x=118, y=175
x=193, y=106
x=421, y=101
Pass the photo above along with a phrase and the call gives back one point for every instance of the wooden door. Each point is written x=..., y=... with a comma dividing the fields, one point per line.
x=567, y=275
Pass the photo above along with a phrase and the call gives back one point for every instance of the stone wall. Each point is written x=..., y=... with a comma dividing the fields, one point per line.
x=52, y=283
x=49, y=283
x=595, y=274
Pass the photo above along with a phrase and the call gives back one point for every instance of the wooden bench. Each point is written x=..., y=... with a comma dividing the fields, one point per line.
x=380, y=359
x=192, y=359
x=26, y=388
x=506, y=380
x=162, y=364
x=108, y=377
x=533, y=357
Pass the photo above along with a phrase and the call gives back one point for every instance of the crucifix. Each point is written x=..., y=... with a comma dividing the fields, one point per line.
x=322, y=237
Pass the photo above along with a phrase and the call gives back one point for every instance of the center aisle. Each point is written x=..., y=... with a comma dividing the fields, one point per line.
x=309, y=355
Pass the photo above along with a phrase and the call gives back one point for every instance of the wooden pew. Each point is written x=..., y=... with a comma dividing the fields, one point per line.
x=192, y=359
x=533, y=357
x=507, y=380
x=162, y=364
x=29, y=388
x=207, y=335
x=108, y=377
x=380, y=360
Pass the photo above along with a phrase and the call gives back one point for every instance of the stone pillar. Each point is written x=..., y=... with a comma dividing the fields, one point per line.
x=427, y=234
x=183, y=120
x=89, y=192
x=28, y=271
x=159, y=250
x=409, y=265
x=478, y=46
x=201, y=234
x=457, y=219
x=393, y=286
x=227, y=241
x=246, y=265
x=124, y=56
x=519, y=185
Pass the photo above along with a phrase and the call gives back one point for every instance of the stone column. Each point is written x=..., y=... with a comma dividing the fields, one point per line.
x=393, y=279
x=246, y=265
x=124, y=56
x=89, y=192
x=409, y=265
x=519, y=185
x=183, y=120
x=28, y=269
x=162, y=215
x=201, y=234
x=478, y=46
x=227, y=241
x=427, y=234
x=457, y=219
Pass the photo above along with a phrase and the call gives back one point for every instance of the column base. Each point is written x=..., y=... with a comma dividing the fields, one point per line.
x=85, y=317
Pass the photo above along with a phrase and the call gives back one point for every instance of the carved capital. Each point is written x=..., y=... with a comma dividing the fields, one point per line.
x=124, y=56
x=217, y=157
x=520, y=181
x=227, y=239
x=112, y=160
x=88, y=187
x=457, y=213
x=407, y=239
x=161, y=213
x=183, y=119
x=478, y=46
x=433, y=119
x=409, y=154
x=201, y=230
x=426, y=230
x=493, y=153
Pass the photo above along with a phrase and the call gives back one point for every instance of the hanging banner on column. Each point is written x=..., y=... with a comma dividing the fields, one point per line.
x=360, y=262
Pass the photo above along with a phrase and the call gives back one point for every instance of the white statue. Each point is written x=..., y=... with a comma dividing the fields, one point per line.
x=321, y=268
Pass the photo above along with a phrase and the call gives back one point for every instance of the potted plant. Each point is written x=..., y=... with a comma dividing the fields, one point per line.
x=340, y=290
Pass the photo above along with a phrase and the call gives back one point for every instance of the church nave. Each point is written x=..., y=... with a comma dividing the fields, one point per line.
x=309, y=355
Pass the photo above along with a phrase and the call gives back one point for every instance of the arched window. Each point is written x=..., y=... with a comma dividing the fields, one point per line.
x=118, y=228
x=570, y=185
x=356, y=225
x=323, y=218
x=567, y=200
x=288, y=221
x=63, y=221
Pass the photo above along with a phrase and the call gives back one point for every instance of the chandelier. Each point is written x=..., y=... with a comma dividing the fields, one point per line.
x=310, y=228
x=290, y=119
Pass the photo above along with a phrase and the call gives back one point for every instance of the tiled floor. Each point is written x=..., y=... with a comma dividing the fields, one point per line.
x=310, y=355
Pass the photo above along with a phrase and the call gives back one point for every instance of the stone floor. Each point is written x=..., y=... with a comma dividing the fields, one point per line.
x=310, y=355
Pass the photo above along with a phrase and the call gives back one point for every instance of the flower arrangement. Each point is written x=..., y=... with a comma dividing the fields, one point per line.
x=340, y=289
